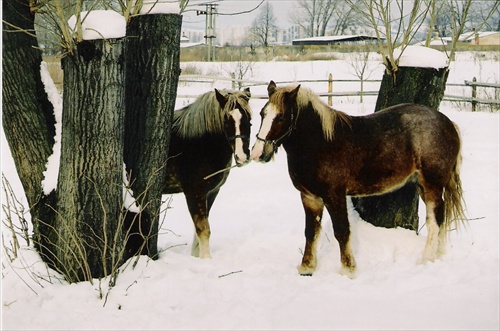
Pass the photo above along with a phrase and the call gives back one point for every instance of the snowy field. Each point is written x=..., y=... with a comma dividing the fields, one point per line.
x=257, y=224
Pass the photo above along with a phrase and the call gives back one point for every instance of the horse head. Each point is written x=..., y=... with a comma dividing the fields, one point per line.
x=237, y=124
x=277, y=121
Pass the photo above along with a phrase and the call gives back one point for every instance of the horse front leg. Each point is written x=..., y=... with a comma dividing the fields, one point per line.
x=198, y=209
x=337, y=208
x=313, y=207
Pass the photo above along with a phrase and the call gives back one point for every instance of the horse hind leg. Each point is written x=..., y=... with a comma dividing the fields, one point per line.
x=435, y=245
x=338, y=212
x=313, y=207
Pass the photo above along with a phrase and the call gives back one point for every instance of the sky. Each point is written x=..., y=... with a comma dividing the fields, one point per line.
x=227, y=7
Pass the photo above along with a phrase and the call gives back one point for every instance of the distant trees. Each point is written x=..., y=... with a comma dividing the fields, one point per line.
x=264, y=26
x=315, y=16
x=481, y=15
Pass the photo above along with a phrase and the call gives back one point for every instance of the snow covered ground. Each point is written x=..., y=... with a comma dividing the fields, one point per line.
x=257, y=237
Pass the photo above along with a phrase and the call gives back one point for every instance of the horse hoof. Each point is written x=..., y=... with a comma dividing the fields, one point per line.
x=306, y=270
x=426, y=260
x=349, y=272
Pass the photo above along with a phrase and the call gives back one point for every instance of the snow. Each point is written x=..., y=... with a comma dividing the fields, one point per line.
x=420, y=56
x=129, y=202
x=51, y=173
x=257, y=227
x=100, y=24
x=108, y=24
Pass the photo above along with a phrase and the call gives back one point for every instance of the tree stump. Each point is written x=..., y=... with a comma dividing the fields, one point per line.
x=28, y=117
x=152, y=75
x=423, y=86
x=90, y=185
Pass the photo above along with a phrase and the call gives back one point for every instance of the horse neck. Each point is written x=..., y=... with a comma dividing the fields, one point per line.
x=307, y=125
x=207, y=146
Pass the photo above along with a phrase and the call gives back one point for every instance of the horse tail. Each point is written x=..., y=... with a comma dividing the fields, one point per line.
x=454, y=203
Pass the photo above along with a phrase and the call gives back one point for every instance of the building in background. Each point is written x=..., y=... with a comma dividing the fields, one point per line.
x=336, y=40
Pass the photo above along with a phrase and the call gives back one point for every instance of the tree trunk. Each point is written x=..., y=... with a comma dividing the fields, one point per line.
x=27, y=116
x=152, y=67
x=423, y=86
x=90, y=185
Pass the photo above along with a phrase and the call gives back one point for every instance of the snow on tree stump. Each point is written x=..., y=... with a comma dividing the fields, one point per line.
x=421, y=79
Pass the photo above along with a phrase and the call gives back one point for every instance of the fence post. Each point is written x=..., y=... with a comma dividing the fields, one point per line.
x=233, y=83
x=330, y=79
x=474, y=94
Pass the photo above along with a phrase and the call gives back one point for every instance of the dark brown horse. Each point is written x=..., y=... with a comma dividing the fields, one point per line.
x=205, y=135
x=332, y=155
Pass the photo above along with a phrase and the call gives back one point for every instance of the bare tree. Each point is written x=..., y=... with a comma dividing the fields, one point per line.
x=472, y=15
x=360, y=64
x=239, y=69
x=308, y=16
x=264, y=25
x=345, y=18
x=315, y=16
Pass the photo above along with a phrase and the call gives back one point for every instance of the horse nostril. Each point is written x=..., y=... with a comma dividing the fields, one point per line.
x=241, y=160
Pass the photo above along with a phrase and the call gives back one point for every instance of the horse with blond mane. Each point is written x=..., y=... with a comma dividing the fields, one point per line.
x=332, y=155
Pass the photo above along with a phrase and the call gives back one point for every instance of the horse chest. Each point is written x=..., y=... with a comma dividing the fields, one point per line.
x=311, y=173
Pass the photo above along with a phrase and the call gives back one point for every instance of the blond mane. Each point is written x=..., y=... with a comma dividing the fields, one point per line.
x=305, y=96
x=205, y=115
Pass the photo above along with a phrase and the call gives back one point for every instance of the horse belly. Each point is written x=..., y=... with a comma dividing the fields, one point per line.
x=379, y=180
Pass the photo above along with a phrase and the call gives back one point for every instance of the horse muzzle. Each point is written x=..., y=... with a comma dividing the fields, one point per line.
x=262, y=151
x=242, y=160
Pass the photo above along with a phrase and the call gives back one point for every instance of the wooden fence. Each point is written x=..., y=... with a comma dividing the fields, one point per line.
x=492, y=99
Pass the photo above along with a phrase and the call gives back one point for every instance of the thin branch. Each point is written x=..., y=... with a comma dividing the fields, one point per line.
x=231, y=273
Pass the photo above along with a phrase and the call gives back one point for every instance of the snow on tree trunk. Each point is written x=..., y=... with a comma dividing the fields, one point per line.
x=90, y=185
x=406, y=85
x=152, y=74
x=27, y=116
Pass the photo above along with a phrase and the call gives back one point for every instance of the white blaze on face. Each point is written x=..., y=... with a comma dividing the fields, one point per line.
x=238, y=142
x=267, y=122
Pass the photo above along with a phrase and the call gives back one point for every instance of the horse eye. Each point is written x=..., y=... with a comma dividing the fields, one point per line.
x=280, y=119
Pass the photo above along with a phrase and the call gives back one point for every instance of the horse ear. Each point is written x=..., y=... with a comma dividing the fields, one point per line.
x=293, y=93
x=247, y=92
x=222, y=99
x=271, y=88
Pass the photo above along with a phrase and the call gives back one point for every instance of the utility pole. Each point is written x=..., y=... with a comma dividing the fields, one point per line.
x=211, y=14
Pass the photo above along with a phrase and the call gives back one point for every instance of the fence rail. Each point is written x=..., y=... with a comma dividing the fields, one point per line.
x=473, y=99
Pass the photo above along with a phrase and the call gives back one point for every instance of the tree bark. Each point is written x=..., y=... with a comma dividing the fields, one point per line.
x=152, y=74
x=423, y=86
x=90, y=185
x=27, y=116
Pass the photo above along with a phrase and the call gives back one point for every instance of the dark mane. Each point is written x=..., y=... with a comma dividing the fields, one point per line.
x=305, y=96
x=205, y=115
